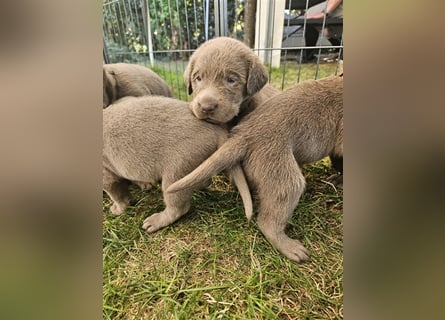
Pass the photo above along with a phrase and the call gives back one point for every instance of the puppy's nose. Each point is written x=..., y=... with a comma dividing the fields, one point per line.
x=208, y=107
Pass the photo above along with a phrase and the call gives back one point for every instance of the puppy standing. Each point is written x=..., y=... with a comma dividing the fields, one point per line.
x=151, y=138
x=226, y=79
x=301, y=125
x=124, y=79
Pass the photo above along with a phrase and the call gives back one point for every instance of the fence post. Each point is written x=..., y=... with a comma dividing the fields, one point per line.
x=206, y=21
x=221, y=19
x=269, y=30
x=147, y=20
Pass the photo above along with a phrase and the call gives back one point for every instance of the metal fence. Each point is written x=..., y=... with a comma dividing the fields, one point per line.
x=162, y=34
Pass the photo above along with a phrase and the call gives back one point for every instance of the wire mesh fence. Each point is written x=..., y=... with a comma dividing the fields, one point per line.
x=162, y=34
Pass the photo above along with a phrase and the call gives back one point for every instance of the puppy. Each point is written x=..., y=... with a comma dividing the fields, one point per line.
x=226, y=80
x=124, y=79
x=300, y=125
x=154, y=138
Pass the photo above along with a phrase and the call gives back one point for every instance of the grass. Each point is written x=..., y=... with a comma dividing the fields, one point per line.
x=213, y=264
x=290, y=73
x=287, y=75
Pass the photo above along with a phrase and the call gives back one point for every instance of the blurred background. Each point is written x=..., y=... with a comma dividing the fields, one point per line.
x=50, y=133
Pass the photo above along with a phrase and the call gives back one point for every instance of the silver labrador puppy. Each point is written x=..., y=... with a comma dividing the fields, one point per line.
x=300, y=125
x=127, y=79
x=227, y=80
x=152, y=138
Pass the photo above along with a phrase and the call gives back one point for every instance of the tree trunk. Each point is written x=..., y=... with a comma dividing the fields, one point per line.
x=250, y=13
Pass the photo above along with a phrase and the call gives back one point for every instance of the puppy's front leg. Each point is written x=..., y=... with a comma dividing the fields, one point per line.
x=176, y=205
x=117, y=190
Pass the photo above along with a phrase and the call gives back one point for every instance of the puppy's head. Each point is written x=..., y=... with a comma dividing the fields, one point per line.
x=221, y=74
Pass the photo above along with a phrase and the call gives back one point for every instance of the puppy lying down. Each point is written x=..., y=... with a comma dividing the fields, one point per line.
x=152, y=138
x=227, y=80
x=127, y=79
x=300, y=125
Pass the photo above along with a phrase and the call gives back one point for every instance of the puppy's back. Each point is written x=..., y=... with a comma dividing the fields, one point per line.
x=125, y=79
x=309, y=115
x=152, y=134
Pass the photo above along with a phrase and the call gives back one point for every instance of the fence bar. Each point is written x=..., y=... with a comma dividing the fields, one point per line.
x=170, y=30
x=146, y=13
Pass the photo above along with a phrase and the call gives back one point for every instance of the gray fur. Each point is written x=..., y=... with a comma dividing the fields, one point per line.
x=154, y=138
x=125, y=79
x=301, y=125
x=226, y=79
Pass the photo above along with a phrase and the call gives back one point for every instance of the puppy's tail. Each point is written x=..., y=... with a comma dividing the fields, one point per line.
x=227, y=157
x=239, y=179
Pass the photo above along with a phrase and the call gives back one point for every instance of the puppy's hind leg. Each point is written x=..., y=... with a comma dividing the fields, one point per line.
x=117, y=189
x=278, y=199
x=337, y=163
x=176, y=205
x=336, y=157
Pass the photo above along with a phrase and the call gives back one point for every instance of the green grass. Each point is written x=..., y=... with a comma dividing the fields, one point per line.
x=290, y=73
x=213, y=264
x=172, y=73
x=287, y=75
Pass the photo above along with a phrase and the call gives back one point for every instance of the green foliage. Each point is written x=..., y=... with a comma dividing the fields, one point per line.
x=123, y=23
x=134, y=42
x=175, y=25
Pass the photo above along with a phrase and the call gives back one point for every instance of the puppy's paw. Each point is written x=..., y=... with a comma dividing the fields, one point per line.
x=118, y=208
x=155, y=222
x=144, y=185
x=294, y=250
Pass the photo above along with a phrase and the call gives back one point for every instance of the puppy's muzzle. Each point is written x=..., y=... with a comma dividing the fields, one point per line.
x=208, y=108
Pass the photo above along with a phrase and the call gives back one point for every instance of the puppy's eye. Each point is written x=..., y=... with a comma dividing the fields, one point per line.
x=198, y=78
x=231, y=80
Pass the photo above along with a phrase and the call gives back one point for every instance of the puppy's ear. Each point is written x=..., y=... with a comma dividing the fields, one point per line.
x=106, y=100
x=257, y=77
x=188, y=76
x=109, y=87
